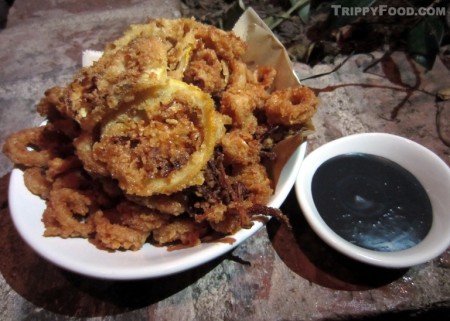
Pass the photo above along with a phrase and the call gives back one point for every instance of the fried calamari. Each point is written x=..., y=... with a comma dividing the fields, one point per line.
x=159, y=145
x=163, y=140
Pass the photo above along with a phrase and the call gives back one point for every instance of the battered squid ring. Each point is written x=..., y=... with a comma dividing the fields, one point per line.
x=83, y=149
x=291, y=106
x=116, y=77
x=142, y=121
x=36, y=182
x=60, y=216
x=112, y=236
x=29, y=147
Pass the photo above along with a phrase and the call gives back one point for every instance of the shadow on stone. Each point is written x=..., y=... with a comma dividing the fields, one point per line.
x=311, y=258
x=433, y=312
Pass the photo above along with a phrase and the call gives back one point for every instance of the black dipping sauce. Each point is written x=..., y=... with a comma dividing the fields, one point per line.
x=372, y=202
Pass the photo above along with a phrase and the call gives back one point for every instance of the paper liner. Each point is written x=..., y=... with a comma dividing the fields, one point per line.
x=264, y=48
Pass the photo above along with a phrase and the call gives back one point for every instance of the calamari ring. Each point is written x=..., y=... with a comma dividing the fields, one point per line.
x=291, y=106
x=57, y=166
x=239, y=147
x=28, y=147
x=265, y=76
x=205, y=71
x=256, y=181
x=36, y=182
x=60, y=217
x=115, y=236
x=73, y=179
x=234, y=218
x=161, y=144
x=186, y=231
x=83, y=149
x=174, y=204
x=140, y=218
x=116, y=77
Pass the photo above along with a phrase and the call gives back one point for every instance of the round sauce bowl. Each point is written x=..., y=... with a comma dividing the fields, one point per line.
x=379, y=198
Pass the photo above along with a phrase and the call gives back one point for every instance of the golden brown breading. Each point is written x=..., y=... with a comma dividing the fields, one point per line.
x=36, y=182
x=83, y=149
x=113, y=236
x=160, y=145
x=30, y=147
x=140, y=217
x=162, y=140
x=291, y=106
x=240, y=148
x=173, y=204
x=256, y=181
x=65, y=207
x=186, y=231
x=117, y=78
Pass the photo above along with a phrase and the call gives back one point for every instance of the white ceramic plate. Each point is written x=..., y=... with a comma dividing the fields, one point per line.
x=78, y=255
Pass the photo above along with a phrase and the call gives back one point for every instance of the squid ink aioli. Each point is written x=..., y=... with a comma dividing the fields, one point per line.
x=372, y=202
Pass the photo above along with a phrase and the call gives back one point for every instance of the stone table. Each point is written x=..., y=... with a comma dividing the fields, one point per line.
x=278, y=274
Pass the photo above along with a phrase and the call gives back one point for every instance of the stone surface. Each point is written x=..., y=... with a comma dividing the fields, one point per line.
x=395, y=96
x=278, y=274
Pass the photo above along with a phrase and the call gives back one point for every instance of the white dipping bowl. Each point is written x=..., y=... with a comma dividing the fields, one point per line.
x=431, y=171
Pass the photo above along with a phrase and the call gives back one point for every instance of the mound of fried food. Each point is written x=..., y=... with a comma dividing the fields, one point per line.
x=163, y=140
